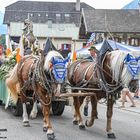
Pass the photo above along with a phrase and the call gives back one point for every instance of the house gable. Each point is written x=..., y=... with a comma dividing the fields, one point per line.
x=102, y=20
x=40, y=12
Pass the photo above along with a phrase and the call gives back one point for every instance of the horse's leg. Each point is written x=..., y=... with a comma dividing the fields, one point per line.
x=25, y=114
x=47, y=124
x=110, y=103
x=44, y=120
x=34, y=111
x=75, y=104
x=77, y=115
x=94, y=113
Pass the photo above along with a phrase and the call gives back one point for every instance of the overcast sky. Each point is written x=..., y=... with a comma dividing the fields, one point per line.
x=98, y=4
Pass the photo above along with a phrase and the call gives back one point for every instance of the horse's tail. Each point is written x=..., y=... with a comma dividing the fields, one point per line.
x=12, y=82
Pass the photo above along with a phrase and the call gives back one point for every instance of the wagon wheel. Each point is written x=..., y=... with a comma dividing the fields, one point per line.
x=58, y=107
x=17, y=109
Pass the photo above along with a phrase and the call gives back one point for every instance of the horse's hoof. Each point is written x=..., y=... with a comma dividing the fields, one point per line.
x=75, y=122
x=26, y=124
x=96, y=117
x=82, y=127
x=86, y=123
x=51, y=136
x=111, y=136
x=45, y=129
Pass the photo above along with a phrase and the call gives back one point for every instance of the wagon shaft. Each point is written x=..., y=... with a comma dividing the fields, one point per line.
x=84, y=89
x=76, y=94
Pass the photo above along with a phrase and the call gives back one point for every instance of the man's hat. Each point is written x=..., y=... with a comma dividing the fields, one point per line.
x=92, y=48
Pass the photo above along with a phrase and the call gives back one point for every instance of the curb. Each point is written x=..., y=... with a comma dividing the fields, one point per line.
x=128, y=108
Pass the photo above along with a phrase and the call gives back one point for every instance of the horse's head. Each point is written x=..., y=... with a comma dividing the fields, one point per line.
x=124, y=67
x=55, y=68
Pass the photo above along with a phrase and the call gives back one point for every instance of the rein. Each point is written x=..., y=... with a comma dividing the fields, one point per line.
x=40, y=77
x=108, y=88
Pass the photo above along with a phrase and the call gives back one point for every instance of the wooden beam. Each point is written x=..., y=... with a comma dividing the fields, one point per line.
x=73, y=94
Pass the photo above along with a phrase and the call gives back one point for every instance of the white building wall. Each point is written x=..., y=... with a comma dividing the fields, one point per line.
x=59, y=41
x=41, y=31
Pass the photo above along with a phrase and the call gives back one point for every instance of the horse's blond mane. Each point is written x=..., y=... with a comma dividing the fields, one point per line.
x=49, y=56
x=119, y=71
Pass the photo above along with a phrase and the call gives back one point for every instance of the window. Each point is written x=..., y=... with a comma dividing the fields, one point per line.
x=117, y=39
x=58, y=17
x=67, y=18
x=66, y=47
x=134, y=41
x=67, y=15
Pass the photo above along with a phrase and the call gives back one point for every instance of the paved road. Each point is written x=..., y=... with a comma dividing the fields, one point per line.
x=125, y=124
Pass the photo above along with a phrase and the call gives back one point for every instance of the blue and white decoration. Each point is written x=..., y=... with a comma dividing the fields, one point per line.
x=133, y=65
x=59, y=69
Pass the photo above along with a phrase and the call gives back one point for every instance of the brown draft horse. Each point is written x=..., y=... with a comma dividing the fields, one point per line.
x=33, y=73
x=106, y=81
